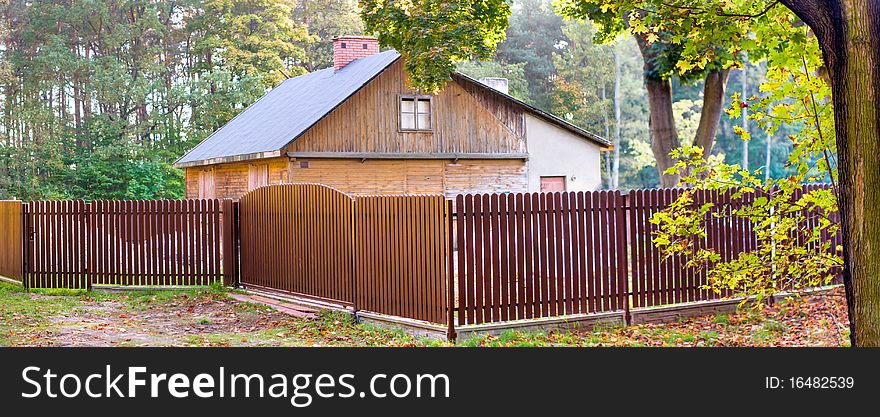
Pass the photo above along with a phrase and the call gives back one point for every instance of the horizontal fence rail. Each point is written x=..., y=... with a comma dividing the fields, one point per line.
x=74, y=244
x=12, y=240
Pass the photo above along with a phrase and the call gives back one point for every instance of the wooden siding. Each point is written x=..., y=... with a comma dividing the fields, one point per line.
x=413, y=176
x=368, y=122
x=486, y=176
x=231, y=180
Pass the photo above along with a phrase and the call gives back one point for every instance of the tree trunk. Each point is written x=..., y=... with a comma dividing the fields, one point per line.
x=615, y=166
x=661, y=122
x=714, y=88
x=607, y=123
x=849, y=35
x=664, y=138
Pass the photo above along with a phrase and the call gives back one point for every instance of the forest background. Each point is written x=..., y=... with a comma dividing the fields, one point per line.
x=100, y=97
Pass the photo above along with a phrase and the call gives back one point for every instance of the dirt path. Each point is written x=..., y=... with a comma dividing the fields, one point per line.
x=191, y=318
x=178, y=322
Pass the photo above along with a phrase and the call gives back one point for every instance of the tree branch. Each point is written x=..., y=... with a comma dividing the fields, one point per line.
x=750, y=16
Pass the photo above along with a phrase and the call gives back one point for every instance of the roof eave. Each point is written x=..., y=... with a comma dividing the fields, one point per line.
x=227, y=159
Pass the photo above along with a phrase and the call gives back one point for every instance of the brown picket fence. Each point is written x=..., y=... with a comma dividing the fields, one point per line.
x=482, y=258
x=11, y=240
x=658, y=279
x=523, y=256
x=74, y=244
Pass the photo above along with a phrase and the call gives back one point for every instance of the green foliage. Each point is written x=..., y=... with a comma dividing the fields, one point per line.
x=433, y=36
x=254, y=37
x=703, y=35
x=584, y=82
x=645, y=19
x=99, y=98
x=533, y=38
x=787, y=257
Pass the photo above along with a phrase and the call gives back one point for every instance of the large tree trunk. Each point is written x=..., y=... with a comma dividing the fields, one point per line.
x=664, y=138
x=849, y=34
x=714, y=88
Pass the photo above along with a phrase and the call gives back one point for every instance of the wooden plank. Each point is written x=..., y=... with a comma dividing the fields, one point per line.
x=531, y=262
x=576, y=252
x=622, y=289
x=520, y=274
x=583, y=294
x=464, y=256
x=591, y=215
x=505, y=259
x=637, y=244
x=545, y=254
x=495, y=283
x=479, y=272
x=510, y=258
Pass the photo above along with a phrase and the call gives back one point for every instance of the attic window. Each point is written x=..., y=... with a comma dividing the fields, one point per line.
x=415, y=113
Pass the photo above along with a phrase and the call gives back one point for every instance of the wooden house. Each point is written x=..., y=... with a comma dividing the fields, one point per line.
x=358, y=127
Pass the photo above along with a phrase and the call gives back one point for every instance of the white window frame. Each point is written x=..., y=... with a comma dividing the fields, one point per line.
x=415, y=98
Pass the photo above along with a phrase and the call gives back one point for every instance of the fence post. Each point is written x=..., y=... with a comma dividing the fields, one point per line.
x=230, y=243
x=25, y=245
x=86, y=236
x=450, y=275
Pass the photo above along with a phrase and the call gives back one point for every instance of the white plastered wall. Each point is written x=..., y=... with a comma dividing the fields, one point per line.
x=557, y=152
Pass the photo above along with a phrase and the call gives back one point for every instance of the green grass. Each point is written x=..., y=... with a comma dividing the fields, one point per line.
x=19, y=311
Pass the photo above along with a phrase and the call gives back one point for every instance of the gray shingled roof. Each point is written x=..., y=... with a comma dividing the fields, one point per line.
x=297, y=104
x=287, y=111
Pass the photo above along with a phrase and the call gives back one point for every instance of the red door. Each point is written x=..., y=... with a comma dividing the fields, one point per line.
x=552, y=184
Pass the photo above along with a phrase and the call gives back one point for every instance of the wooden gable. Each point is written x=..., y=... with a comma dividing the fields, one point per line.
x=467, y=123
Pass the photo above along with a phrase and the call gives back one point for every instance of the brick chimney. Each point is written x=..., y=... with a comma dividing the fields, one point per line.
x=349, y=48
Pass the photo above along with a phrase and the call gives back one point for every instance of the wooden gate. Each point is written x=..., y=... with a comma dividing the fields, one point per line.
x=401, y=256
x=297, y=238
x=384, y=254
